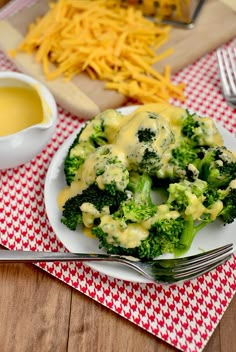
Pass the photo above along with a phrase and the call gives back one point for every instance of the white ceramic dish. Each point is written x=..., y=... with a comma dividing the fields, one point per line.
x=19, y=147
x=211, y=237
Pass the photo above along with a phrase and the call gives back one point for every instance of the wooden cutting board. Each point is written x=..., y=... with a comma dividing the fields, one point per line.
x=84, y=97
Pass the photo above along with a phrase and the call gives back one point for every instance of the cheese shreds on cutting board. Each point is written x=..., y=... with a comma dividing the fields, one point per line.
x=105, y=41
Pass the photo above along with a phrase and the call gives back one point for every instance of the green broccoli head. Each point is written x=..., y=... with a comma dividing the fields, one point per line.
x=183, y=155
x=200, y=131
x=150, y=161
x=218, y=167
x=164, y=236
x=187, y=197
x=228, y=197
x=189, y=125
x=139, y=206
x=102, y=128
x=181, y=163
x=72, y=215
x=97, y=137
x=110, y=172
x=90, y=137
x=94, y=132
x=145, y=137
x=75, y=159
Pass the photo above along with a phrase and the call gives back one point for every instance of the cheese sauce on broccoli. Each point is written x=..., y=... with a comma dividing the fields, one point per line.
x=116, y=162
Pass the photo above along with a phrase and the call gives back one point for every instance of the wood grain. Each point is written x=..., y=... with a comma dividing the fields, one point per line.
x=3, y=2
x=41, y=314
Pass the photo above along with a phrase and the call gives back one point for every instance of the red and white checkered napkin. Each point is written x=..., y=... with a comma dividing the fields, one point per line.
x=183, y=315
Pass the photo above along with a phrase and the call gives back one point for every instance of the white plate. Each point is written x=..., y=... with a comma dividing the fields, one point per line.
x=214, y=235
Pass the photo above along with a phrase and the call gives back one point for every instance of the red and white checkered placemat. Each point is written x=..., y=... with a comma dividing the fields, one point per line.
x=184, y=315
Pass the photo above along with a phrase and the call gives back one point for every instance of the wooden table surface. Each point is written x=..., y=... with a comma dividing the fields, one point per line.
x=39, y=313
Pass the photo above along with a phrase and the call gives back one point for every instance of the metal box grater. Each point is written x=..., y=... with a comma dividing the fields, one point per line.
x=181, y=13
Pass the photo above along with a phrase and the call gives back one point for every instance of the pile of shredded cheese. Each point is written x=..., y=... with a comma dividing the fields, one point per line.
x=108, y=42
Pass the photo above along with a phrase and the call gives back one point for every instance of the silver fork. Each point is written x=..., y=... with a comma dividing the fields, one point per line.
x=160, y=271
x=227, y=69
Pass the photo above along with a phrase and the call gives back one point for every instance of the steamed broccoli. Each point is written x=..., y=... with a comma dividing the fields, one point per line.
x=180, y=164
x=228, y=197
x=75, y=159
x=139, y=206
x=218, y=167
x=190, y=228
x=146, y=136
x=118, y=164
x=187, y=197
x=96, y=202
x=92, y=135
x=150, y=161
x=200, y=131
x=193, y=136
x=103, y=179
x=198, y=205
x=164, y=236
x=81, y=148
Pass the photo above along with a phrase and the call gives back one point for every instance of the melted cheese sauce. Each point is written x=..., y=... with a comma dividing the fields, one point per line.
x=128, y=237
x=20, y=107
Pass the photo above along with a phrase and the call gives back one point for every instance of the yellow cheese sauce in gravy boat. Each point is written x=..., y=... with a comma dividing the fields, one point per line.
x=28, y=115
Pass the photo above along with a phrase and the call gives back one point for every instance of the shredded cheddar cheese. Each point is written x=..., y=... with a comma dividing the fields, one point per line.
x=108, y=42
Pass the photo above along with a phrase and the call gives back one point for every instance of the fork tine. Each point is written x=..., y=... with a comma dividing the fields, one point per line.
x=173, y=270
x=229, y=67
x=227, y=71
x=195, y=273
x=205, y=257
x=194, y=260
x=223, y=78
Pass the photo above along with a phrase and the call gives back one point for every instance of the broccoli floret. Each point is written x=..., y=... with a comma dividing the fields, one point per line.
x=72, y=162
x=201, y=131
x=86, y=141
x=190, y=125
x=187, y=197
x=72, y=214
x=164, y=236
x=183, y=155
x=110, y=172
x=218, y=167
x=75, y=159
x=198, y=204
x=228, y=197
x=211, y=197
x=91, y=136
x=102, y=128
x=94, y=132
x=98, y=137
x=150, y=162
x=146, y=135
x=139, y=206
x=180, y=163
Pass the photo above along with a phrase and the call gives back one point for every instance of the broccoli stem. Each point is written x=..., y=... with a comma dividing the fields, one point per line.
x=141, y=186
x=189, y=232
